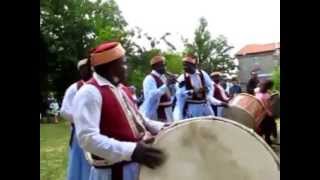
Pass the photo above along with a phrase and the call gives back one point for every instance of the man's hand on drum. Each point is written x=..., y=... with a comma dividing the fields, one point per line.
x=147, y=155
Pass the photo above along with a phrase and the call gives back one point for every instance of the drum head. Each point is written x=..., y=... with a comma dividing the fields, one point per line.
x=239, y=115
x=213, y=148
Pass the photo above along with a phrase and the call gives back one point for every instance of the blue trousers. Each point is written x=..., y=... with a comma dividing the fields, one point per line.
x=78, y=166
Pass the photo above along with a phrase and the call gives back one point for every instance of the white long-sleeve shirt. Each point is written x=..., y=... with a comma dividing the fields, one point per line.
x=152, y=96
x=87, y=115
x=66, y=107
x=182, y=96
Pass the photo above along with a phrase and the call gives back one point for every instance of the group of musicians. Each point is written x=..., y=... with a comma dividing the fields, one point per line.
x=111, y=135
x=194, y=92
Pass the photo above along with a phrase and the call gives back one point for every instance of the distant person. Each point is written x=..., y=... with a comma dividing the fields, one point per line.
x=252, y=83
x=267, y=126
x=53, y=109
x=235, y=87
x=194, y=92
x=219, y=93
x=158, y=99
x=78, y=166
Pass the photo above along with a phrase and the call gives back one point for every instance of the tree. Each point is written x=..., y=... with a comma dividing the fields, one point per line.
x=70, y=28
x=140, y=56
x=211, y=53
x=139, y=67
x=173, y=62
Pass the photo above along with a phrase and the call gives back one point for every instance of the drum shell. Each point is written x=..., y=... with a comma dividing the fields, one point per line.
x=245, y=109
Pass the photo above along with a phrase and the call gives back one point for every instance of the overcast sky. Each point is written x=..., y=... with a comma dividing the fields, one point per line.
x=241, y=21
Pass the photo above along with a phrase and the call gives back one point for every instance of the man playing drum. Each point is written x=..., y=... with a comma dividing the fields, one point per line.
x=194, y=92
x=268, y=125
x=157, y=104
x=108, y=124
x=78, y=167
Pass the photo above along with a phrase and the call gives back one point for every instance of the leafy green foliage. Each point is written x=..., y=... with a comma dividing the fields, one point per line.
x=174, y=62
x=276, y=78
x=139, y=67
x=212, y=53
x=70, y=28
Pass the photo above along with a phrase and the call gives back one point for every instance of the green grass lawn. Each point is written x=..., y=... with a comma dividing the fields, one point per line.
x=54, y=147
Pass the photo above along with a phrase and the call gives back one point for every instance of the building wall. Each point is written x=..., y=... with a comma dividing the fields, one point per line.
x=266, y=62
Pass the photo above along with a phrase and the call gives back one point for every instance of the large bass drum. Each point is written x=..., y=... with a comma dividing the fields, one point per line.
x=245, y=109
x=210, y=148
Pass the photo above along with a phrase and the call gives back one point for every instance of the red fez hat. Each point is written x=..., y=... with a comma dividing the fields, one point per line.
x=106, y=52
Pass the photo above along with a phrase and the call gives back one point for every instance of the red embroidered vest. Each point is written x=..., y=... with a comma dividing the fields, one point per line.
x=129, y=94
x=114, y=122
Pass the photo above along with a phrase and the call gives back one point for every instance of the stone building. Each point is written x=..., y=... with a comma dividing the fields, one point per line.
x=262, y=58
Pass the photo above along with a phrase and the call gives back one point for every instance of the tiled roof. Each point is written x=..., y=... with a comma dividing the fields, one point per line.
x=258, y=48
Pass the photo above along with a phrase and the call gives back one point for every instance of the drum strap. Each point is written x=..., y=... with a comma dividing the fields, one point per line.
x=117, y=172
x=72, y=134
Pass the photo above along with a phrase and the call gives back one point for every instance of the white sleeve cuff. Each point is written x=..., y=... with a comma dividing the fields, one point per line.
x=128, y=148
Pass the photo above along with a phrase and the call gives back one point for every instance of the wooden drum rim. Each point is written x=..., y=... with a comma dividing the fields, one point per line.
x=253, y=97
